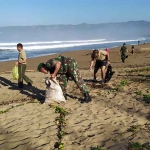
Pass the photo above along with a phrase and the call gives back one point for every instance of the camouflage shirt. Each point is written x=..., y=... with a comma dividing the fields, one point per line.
x=123, y=50
x=64, y=63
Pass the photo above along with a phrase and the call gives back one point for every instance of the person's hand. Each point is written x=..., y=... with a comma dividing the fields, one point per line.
x=90, y=69
x=53, y=75
x=108, y=63
x=16, y=63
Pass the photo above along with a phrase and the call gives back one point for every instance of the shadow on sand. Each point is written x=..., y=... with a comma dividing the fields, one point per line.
x=75, y=97
x=91, y=80
x=29, y=91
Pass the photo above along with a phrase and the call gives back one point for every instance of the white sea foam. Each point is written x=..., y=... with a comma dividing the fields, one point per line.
x=39, y=55
x=51, y=42
x=59, y=44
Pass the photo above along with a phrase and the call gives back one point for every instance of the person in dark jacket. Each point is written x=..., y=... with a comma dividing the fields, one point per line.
x=123, y=52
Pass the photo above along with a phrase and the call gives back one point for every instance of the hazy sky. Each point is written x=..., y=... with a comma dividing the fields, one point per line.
x=44, y=12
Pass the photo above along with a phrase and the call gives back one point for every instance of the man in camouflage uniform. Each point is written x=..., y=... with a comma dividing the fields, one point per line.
x=66, y=67
x=124, y=52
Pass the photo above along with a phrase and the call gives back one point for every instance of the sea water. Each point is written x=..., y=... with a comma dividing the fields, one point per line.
x=8, y=51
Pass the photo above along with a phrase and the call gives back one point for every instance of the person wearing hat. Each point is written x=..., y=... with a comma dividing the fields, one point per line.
x=65, y=67
x=102, y=59
x=124, y=52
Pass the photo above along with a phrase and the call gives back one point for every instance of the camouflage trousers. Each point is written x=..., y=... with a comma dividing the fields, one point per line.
x=75, y=75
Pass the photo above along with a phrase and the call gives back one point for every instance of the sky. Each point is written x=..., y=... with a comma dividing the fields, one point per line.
x=47, y=12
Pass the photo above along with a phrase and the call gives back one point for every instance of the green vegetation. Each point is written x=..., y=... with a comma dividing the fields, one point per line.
x=61, y=111
x=138, y=93
x=146, y=98
x=4, y=111
x=133, y=129
x=7, y=110
x=61, y=123
x=121, y=85
x=138, y=146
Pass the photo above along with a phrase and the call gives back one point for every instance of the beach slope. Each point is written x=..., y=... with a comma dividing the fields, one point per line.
x=118, y=114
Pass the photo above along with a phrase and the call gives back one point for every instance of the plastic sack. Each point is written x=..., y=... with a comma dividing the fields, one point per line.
x=15, y=73
x=53, y=91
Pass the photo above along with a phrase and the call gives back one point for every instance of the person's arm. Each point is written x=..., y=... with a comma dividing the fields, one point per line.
x=120, y=51
x=20, y=62
x=107, y=55
x=23, y=61
x=91, y=64
x=57, y=67
x=108, y=58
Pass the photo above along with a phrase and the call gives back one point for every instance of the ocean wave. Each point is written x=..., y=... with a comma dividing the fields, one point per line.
x=66, y=45
x=38, y=55
x=51, y=42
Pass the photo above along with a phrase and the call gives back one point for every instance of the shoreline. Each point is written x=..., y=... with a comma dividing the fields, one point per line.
x=82, y=57
x=32, y=52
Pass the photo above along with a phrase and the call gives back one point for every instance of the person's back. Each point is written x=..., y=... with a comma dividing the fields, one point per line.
x=101, y=55
x=66, y=67
x=123, y=50
x=65, y=63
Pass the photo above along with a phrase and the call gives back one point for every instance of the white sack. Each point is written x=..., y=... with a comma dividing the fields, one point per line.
x=53, y=91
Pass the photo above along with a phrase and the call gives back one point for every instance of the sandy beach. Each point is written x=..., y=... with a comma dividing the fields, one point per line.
x=118, y=114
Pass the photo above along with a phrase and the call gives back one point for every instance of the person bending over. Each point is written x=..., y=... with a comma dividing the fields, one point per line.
x=102, y=59
x=65, y=67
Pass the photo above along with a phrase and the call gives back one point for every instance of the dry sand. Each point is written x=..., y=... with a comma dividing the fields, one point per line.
x=31, y=126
